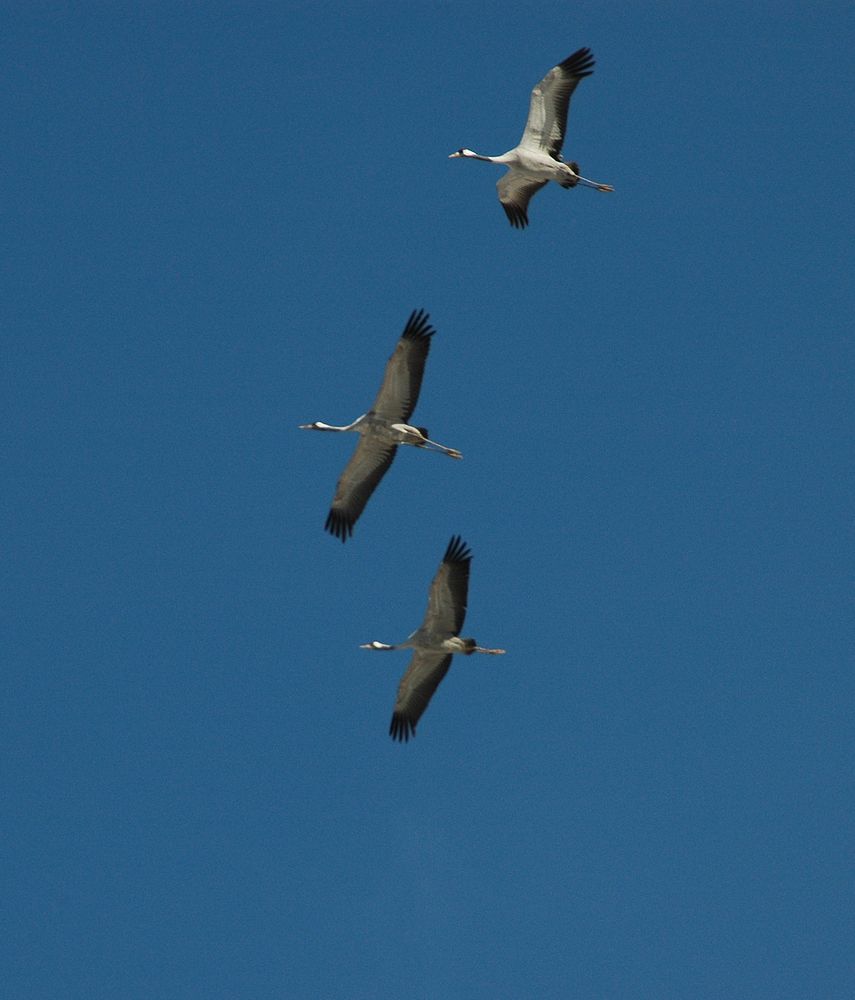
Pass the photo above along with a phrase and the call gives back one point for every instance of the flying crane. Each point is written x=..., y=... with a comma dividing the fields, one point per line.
x=383, y=427
x=435, y=641
x=537, y=158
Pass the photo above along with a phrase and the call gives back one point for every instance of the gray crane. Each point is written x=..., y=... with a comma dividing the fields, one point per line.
x=435, y=641
x=537, y=158
x=383, y=427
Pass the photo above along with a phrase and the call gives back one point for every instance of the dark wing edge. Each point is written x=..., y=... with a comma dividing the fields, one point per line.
x=367, y=466
x=458, y=560
x=449, y=590
x=457, y=551
x=514, y=196
x=580, y=64
x=573, y=69
x=415, y=693
x=418, y=326
x=546, y=124
x=402, y=379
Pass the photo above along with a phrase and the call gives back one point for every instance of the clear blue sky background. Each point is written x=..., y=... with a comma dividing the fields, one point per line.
x=216, y=219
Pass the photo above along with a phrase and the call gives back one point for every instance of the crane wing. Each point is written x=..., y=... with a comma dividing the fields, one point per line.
x=415, y=691
x=402, y=379
x=550, y=101
x=515, y=192
x=363, y=472
x=449, y=591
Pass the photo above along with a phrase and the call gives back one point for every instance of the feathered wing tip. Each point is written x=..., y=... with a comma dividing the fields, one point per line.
x=458, y=551
x=580, y=64
x=418, y=326
x=339, y=524
x=514, y=195
x=401, y=728
x=518, y=217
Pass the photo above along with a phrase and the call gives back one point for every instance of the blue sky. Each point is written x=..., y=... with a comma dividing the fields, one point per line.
x=216, y=220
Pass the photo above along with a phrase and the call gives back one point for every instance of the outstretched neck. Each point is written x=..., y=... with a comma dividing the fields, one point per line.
x=319, y=425
x=376, y=645
x=470, y=154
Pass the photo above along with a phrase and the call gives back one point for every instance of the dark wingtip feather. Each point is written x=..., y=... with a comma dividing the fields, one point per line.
x=518, y=217
x=418, y=326
x=339, y=524
x=458, y=551
x=400, y=728
x=580, y=64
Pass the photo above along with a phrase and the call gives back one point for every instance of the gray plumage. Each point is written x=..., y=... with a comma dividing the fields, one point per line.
x=537, y=158
x=435, y=641
x=383, y=427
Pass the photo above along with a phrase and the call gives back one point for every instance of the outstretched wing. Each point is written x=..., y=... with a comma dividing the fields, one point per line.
x=402, y=379
x=449, y=591
x=550, y=101
x=515, y=192
x=363, y=472
x=415, y=691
